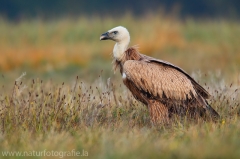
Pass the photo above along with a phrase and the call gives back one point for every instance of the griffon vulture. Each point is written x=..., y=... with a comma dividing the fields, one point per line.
x=165, y=88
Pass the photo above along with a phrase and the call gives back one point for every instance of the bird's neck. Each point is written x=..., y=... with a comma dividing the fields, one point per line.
x=120, y=48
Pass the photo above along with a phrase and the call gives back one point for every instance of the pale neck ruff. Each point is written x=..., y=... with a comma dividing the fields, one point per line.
x=119, y=49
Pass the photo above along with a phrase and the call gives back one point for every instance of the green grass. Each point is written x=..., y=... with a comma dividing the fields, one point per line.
x=103, y=119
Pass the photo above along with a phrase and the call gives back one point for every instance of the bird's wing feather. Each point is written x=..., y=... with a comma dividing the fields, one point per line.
x=159, y=80
x=199, y=89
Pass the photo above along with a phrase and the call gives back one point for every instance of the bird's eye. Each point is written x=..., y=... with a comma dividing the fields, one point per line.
x=115, y=32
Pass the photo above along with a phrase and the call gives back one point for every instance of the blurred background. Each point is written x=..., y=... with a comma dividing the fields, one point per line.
x=59, y=39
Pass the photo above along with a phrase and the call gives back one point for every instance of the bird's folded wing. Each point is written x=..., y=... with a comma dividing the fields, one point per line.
x=198, y=88
x=159, y=80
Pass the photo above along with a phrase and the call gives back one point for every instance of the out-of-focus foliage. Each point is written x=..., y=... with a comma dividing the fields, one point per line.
x=73, y=46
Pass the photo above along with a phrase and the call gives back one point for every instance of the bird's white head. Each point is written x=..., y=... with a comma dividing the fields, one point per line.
x=122, y=38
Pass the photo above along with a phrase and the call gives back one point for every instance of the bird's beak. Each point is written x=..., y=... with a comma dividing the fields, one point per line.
x=105, y=36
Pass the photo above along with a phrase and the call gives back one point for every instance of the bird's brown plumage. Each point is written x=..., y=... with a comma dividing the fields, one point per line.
x=163, y=87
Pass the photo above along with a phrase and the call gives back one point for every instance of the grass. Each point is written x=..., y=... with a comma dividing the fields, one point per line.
x=66, y=103
x=103, y=119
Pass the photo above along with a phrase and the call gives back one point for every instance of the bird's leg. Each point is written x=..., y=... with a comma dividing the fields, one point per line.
x=158, y=113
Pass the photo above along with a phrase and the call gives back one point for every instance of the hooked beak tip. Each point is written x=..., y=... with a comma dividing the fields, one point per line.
x=101, y=37
x=104, y=36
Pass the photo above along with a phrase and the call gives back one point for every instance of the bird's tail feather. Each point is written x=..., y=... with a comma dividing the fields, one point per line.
x=212, y=112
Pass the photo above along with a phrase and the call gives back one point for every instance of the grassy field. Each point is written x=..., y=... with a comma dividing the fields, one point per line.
x=73, y=46
x=70, y=100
